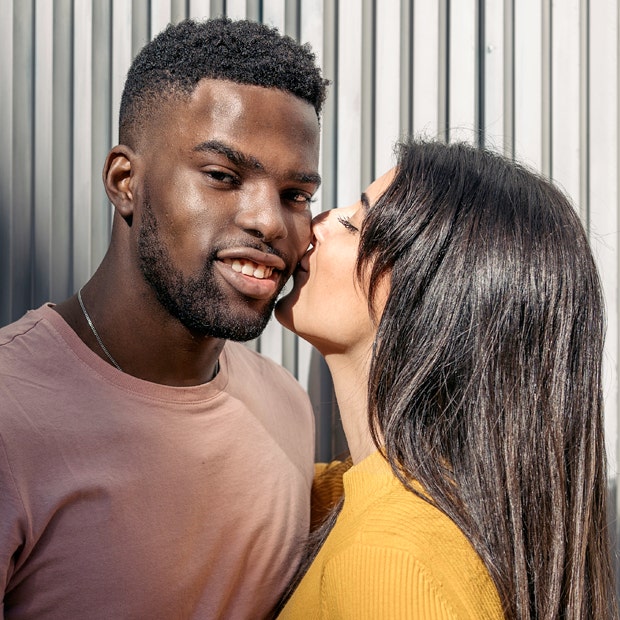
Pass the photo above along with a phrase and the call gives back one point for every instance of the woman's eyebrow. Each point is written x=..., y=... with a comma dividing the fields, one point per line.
x=365, y=202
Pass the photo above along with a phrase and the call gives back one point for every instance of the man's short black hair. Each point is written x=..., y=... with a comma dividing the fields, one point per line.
x=241, y=51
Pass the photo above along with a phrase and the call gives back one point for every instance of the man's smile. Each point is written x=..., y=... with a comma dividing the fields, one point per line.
x=249, y=268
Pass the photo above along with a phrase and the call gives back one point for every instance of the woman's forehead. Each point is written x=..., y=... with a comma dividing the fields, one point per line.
x=379, y=185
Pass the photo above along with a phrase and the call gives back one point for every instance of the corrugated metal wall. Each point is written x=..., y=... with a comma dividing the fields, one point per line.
x=537, y=79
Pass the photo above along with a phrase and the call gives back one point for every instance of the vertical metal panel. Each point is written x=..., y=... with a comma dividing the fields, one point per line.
x=443, y=99
x=528, y=77
x=292, y=24
x=43, y=144
x=82, y=123
x=463, y=58
x=329, y=120
x=23, y=106
x=387, y=85
x=274, y=13
x=121, y=52
x=236, y=9
x=140, y=24
x=546, y=88
x=102, y=122
x=199, y=9
x=349, y=101
x=565, y=96
x=492, y=48
x=6, y=156
x=604, y=103
x=178, y=10
x=426, y=68
x=254, y=9
x=270, y=341
x=160, y=16
x=406, y=68
x=368, y=88
x=584, y=111
x=62, y=153
x=218, y=8
x=509, y=77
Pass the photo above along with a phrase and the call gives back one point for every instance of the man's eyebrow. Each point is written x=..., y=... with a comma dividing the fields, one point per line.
x=249, y=162
x=236, y=157
x=303, y=177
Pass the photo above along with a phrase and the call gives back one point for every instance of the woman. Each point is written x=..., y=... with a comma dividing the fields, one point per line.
x=459, y=310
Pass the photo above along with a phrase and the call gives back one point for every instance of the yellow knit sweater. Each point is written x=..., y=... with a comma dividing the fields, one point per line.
x=391, y=555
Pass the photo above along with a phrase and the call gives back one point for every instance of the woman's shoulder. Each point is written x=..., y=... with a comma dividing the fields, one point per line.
x=327, y=489
x=403, y=541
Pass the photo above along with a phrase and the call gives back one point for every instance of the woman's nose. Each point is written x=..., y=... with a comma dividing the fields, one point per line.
x=318, y=223
x=317, y=219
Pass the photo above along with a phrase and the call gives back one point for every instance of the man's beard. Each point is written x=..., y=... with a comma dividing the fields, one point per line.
x=196, y=301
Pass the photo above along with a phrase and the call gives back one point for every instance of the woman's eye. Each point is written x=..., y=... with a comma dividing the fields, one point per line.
x=347, y=224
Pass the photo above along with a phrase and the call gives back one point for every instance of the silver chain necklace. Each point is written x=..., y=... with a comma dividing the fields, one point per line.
x=92, y=328
x=105, y=350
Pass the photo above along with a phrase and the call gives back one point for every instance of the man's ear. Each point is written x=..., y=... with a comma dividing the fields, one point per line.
x=118, y=179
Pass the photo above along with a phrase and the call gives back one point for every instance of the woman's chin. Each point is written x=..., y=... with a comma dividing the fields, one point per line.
x=289, y=313
x=285, y=310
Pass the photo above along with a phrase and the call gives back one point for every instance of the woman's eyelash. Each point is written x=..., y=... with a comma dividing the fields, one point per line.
x=347, y=224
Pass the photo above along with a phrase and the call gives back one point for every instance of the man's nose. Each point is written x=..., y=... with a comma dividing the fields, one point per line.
x=263, y=215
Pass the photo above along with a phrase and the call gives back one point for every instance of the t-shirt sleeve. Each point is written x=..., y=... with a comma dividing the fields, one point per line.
x=367, y=582
x=11, y=512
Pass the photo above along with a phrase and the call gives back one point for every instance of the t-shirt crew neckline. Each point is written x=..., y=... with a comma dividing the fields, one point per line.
x=109, y=373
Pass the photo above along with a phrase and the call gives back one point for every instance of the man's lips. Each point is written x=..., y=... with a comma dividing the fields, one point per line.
x=248, y=268
x=251, y=272
x=257, y=258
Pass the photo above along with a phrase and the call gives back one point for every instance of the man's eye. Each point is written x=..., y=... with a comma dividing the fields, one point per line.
x=347, y=224
x=302, y=198
x=222, y=177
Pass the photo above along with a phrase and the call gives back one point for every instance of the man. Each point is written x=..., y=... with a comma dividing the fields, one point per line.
x=149, y=467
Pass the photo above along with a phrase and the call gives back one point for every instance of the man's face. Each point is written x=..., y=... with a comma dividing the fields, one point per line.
x=223, y=213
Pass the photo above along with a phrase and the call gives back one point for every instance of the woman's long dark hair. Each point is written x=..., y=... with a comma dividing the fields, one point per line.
x=485, y=382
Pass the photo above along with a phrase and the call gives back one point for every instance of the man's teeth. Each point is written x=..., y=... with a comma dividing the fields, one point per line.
x=249, y=268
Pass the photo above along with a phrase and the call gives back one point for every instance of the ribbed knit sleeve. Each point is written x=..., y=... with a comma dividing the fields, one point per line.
x=367, y=583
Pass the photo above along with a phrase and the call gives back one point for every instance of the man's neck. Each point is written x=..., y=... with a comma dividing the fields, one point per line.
x=150, y=345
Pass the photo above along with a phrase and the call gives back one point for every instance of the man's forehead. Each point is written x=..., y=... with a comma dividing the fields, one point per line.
x=249, y=125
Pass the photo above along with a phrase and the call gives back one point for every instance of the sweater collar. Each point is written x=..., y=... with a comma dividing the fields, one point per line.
x=370, y=477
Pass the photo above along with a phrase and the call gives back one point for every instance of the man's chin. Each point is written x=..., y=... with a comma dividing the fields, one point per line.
x=239, y=327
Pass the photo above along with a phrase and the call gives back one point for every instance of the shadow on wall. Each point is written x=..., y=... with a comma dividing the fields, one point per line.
x=330, y=440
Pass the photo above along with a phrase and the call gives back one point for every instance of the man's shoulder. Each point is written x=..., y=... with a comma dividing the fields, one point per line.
x=241, y=358
x=27, y=337
x=24, y=325
x=250, y=371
